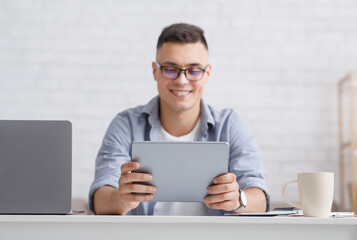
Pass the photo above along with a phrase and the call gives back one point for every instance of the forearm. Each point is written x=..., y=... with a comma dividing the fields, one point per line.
x=256, y=200
x=106, y=202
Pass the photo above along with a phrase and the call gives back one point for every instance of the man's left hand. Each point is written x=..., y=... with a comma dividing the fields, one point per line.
x=224, y=193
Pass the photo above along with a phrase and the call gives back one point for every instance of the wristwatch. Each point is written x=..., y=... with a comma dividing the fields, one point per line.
x=242, y=201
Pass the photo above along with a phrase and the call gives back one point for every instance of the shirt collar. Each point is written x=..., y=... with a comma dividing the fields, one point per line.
x=152, y=110
x=206, y=114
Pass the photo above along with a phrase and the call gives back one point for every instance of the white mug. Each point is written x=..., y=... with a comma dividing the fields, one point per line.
x=315, y=193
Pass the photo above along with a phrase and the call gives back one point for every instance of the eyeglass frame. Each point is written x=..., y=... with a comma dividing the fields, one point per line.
x=182, y=70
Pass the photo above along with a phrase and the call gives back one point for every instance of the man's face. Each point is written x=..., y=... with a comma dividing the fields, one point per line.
x=181, y=94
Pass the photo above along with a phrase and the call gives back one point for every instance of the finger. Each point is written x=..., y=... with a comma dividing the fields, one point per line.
x=226, y=205
x=222, y=188
x=134, y=177
x=139, y=197
x=137, y=188
x=222, y=197
x=129, y=166
x=225, y=178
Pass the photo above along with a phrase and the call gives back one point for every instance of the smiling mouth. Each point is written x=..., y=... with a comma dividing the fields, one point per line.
x=180, y=92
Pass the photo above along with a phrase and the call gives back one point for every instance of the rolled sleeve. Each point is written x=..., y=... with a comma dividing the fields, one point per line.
x=115, y=150
x=245, y=156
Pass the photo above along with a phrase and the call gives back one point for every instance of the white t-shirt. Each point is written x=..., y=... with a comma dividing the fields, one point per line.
x=181, y=208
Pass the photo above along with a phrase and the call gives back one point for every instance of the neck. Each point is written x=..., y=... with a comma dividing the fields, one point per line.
x=179, y=123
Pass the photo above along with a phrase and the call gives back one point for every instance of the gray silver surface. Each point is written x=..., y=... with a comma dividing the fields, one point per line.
x=35, y=167
x=181, y=171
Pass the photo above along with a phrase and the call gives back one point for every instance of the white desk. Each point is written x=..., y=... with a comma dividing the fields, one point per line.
x=172, y=228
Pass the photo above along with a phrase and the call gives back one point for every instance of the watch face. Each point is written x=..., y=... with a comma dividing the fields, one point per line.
x=243, y=198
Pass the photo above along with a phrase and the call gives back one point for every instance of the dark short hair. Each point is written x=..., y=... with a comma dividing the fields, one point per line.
x=182, y=33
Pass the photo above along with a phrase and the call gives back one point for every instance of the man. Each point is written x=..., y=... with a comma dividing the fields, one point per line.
x=181, y=71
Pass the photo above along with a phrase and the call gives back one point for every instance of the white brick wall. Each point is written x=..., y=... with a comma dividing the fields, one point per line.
x=276, y=62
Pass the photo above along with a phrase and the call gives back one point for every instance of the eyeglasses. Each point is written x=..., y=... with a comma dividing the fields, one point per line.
x=192, y=73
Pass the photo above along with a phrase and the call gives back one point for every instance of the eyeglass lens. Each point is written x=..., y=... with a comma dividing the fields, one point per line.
x=173, y=73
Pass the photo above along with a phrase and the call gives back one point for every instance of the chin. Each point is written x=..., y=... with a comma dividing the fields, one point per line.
x=181, y=107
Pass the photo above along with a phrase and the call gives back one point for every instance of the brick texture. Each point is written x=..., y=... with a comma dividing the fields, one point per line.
x=276, y=62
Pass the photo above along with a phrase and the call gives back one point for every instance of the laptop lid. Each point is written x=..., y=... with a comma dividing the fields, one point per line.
x=35, y=167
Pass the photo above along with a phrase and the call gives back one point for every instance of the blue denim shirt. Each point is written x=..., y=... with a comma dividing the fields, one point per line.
x=142, y=123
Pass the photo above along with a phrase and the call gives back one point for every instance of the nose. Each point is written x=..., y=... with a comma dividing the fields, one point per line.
x=181, y=79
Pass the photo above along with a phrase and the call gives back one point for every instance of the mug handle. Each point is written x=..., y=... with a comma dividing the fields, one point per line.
x=297, y=205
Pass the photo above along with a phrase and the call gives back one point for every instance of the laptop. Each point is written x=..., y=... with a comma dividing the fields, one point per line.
x=35, y=167
x=181, y=171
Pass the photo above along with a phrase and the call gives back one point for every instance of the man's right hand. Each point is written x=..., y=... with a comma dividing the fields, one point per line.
x=128, y=187
x=110, y=200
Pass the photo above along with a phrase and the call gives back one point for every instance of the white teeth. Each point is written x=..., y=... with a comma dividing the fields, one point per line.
x=181, y=92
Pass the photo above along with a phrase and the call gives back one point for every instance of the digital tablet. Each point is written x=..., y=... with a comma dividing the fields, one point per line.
x=181, y=171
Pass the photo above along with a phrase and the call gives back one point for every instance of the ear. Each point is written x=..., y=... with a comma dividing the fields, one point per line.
x=154, y=70
x=208, y=70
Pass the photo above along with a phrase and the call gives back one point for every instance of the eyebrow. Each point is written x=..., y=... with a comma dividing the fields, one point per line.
x=188, y=65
